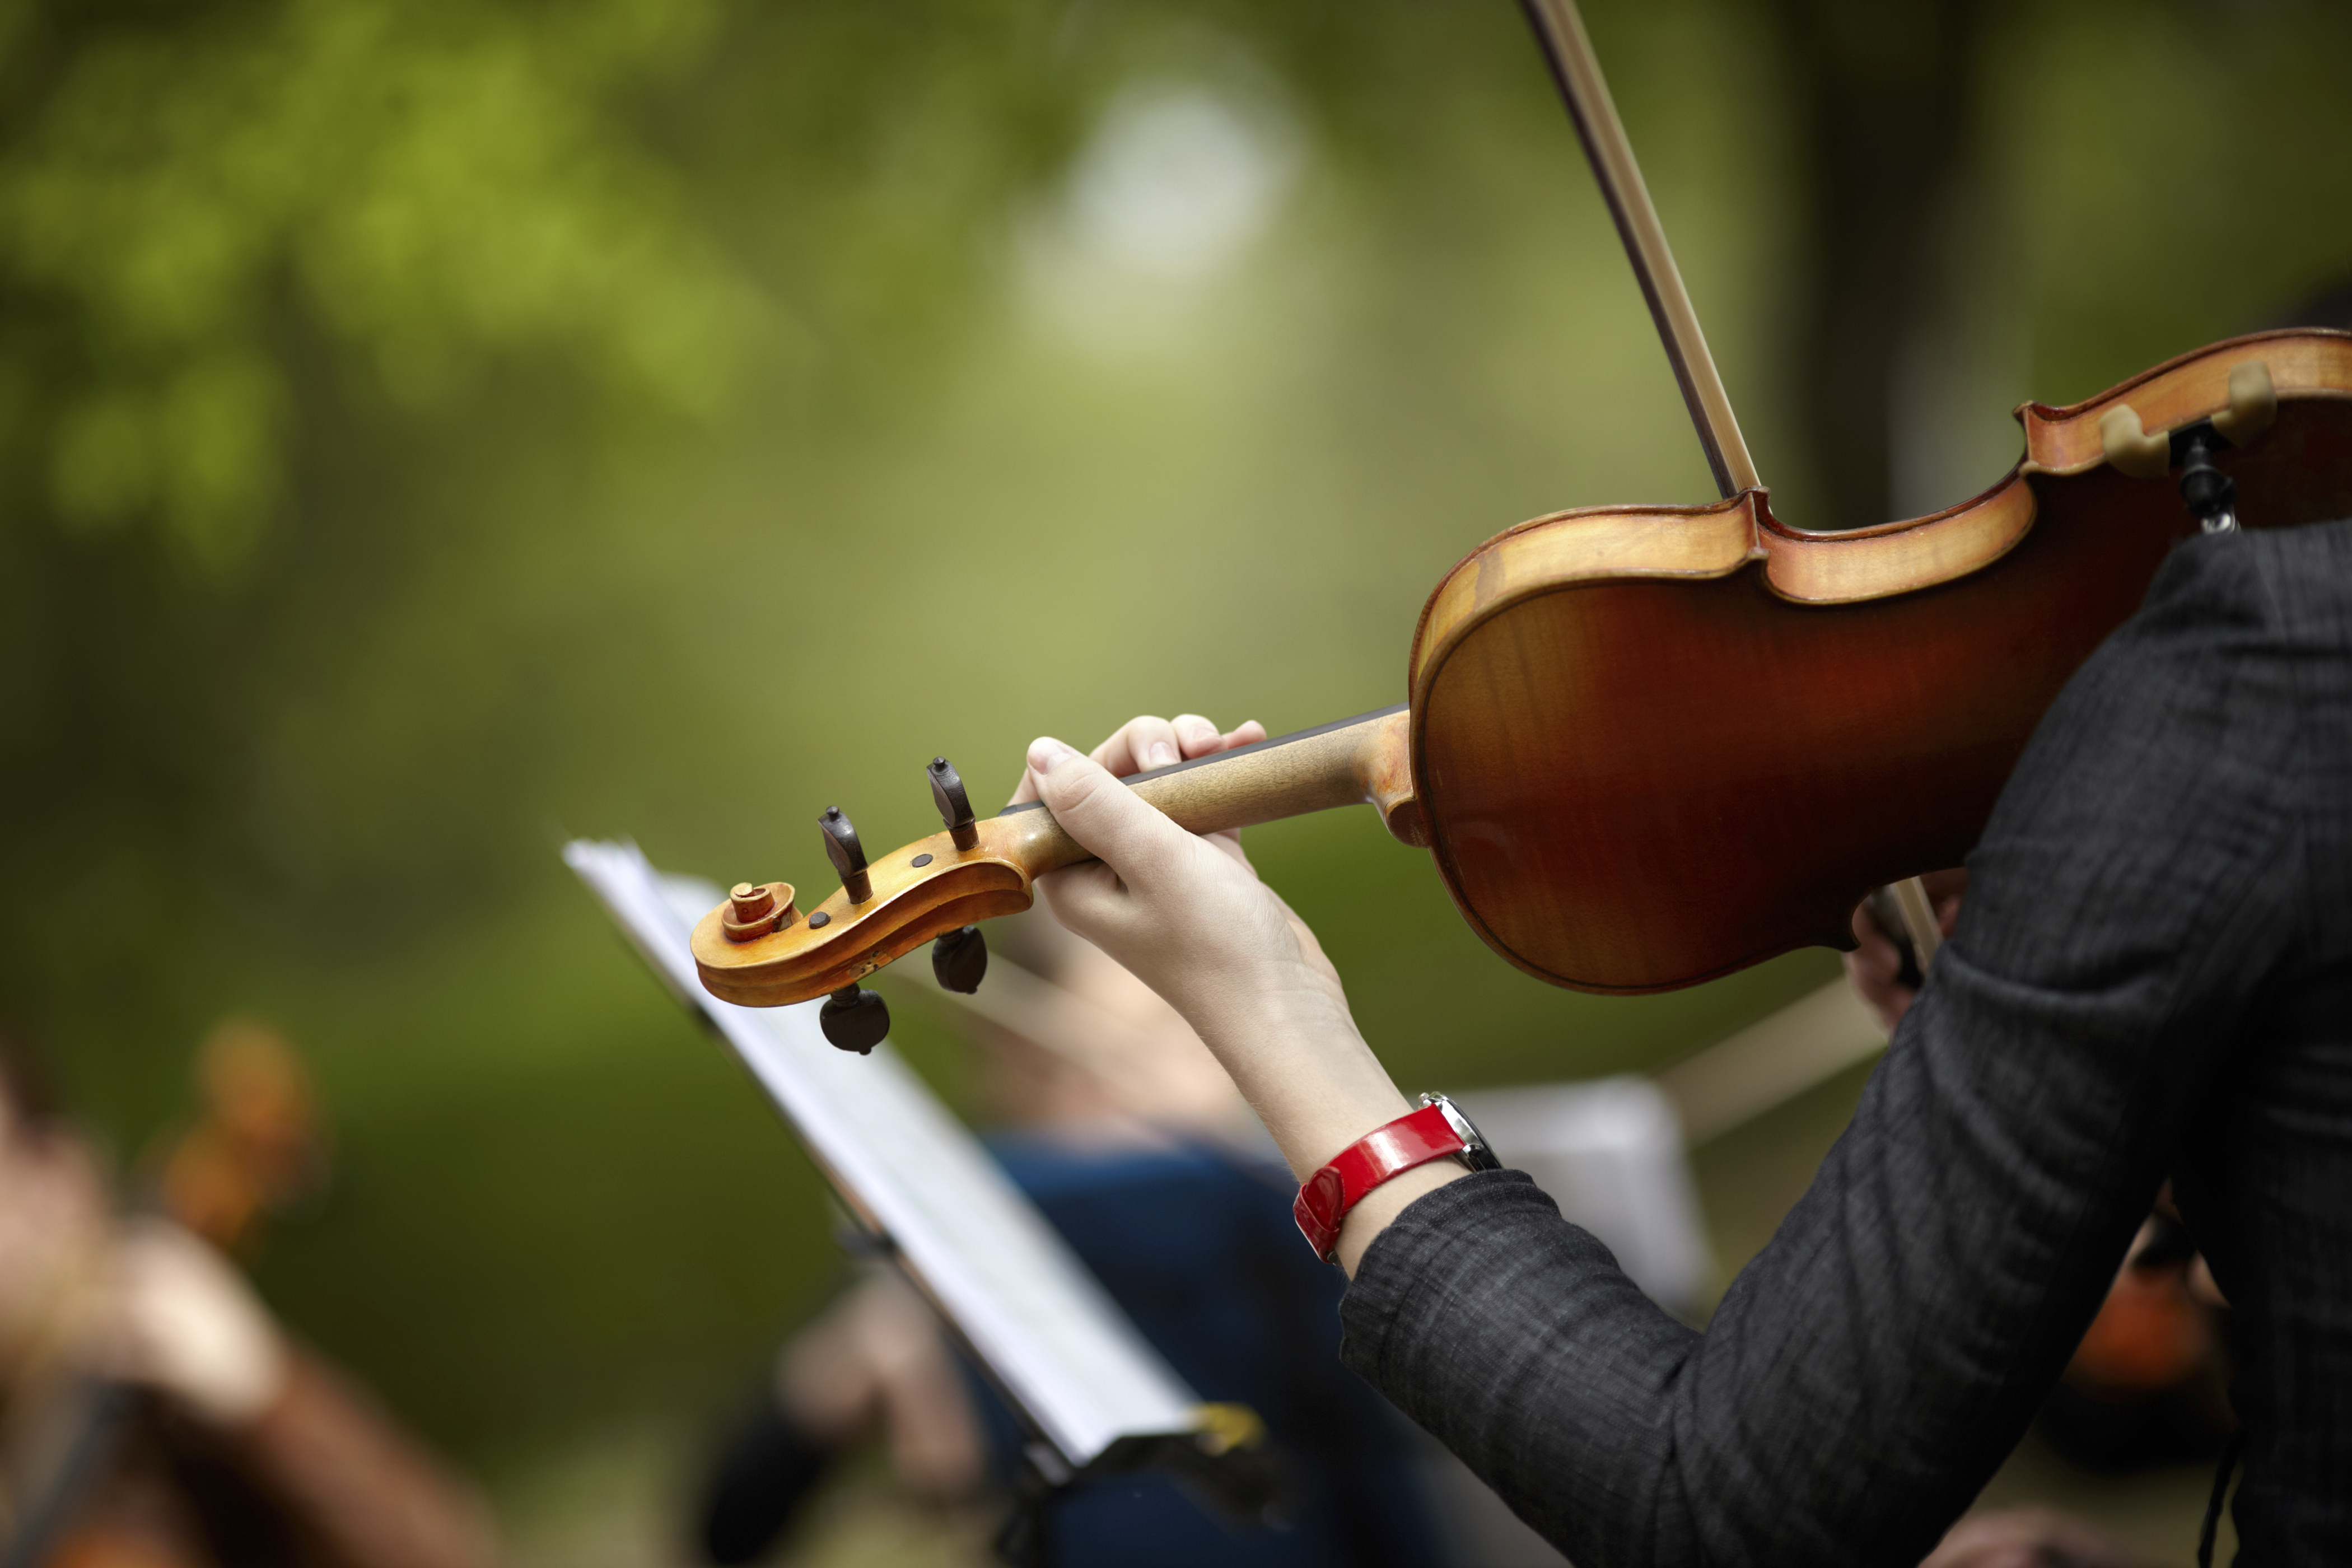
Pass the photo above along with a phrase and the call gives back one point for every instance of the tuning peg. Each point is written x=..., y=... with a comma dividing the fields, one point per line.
x=848, y=855
x=854, y=1019
x=955, y=807
x=960, y=959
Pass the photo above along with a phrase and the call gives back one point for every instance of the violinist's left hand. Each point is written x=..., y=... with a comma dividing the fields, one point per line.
x=1188, y=916
x=1148, y=742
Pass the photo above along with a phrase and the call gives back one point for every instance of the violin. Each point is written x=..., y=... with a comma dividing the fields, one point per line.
x=1646, y=746
x=257, y=1147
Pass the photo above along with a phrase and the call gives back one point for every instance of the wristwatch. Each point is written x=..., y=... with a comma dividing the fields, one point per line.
x=1438, y=1130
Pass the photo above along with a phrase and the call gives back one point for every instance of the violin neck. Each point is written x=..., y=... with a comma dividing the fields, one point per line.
x=1362, y=761
x=1561, y=30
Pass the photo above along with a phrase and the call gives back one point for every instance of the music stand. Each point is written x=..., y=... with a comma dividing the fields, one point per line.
x=1092, y=1395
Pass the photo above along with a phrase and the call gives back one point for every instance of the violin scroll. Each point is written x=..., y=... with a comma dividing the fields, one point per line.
x=753, y=911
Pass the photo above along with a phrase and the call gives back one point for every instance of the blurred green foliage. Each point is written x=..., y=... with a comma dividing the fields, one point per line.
x=425, y=186
x=428, y=430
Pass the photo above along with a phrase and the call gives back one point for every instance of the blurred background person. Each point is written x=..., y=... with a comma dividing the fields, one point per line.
x=153, y=1414
x=1117, y=1123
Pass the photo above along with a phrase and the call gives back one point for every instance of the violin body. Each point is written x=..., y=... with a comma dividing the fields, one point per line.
x=1654, y=745
x=1647, y=746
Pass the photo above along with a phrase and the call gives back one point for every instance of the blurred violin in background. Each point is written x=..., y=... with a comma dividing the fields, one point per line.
x=259, y=1145
x=256, y=1144
x=153, y=1413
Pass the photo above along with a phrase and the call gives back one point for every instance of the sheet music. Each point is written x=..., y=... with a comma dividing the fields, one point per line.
x=1056, y=1343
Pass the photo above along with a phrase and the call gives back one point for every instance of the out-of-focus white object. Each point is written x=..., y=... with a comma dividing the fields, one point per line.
x=1178, y=179
x=1772, y=1061
x=1610, y=1153
x=1178, y=183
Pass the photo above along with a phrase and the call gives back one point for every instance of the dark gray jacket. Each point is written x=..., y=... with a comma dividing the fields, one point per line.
x=2152, y=977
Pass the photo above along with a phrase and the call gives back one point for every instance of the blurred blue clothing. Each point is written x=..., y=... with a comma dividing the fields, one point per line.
x=1198, y=1247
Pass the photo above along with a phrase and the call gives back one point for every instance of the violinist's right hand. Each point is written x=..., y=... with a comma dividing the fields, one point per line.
x=1874, y=968
x=1188, y=916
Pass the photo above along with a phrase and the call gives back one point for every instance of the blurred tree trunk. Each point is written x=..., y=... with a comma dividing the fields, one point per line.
x=1882, y=92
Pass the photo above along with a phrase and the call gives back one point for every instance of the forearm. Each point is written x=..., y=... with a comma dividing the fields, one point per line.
x=1317, y=1087
x=1867, y=1371
x=1188, y=917
x=1512, y=1337
x=1861, y=1380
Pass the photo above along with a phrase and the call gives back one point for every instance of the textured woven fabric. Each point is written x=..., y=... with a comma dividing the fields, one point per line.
x=2152, y=977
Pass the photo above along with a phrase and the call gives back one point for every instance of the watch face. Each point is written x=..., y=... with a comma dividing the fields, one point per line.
x=1476, y=1153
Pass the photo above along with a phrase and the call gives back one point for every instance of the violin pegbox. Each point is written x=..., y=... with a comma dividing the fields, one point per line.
x=758, y=948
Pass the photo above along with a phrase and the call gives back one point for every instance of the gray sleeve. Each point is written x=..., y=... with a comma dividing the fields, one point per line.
x=1867, y=1372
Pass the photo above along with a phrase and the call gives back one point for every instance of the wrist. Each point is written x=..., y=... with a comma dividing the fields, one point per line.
x=1373, y=1179
x=1317, y=1090
x=1383, y=1204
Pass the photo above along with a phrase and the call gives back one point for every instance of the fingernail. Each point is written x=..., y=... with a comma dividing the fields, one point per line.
x=1045, y=751
x=1161, y=755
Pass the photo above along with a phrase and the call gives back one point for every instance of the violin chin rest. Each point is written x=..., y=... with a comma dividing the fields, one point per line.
x=2131, y=450
x=2253, y=403
x=2253, y=409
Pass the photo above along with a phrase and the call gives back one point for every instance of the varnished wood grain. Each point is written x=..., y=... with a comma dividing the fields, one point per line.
x=1649, y=745
x=1638, y=781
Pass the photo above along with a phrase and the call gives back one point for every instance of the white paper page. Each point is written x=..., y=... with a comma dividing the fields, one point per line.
x=1057, y=1345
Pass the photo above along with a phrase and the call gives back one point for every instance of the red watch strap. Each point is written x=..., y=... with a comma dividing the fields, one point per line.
x=1325, y=1196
